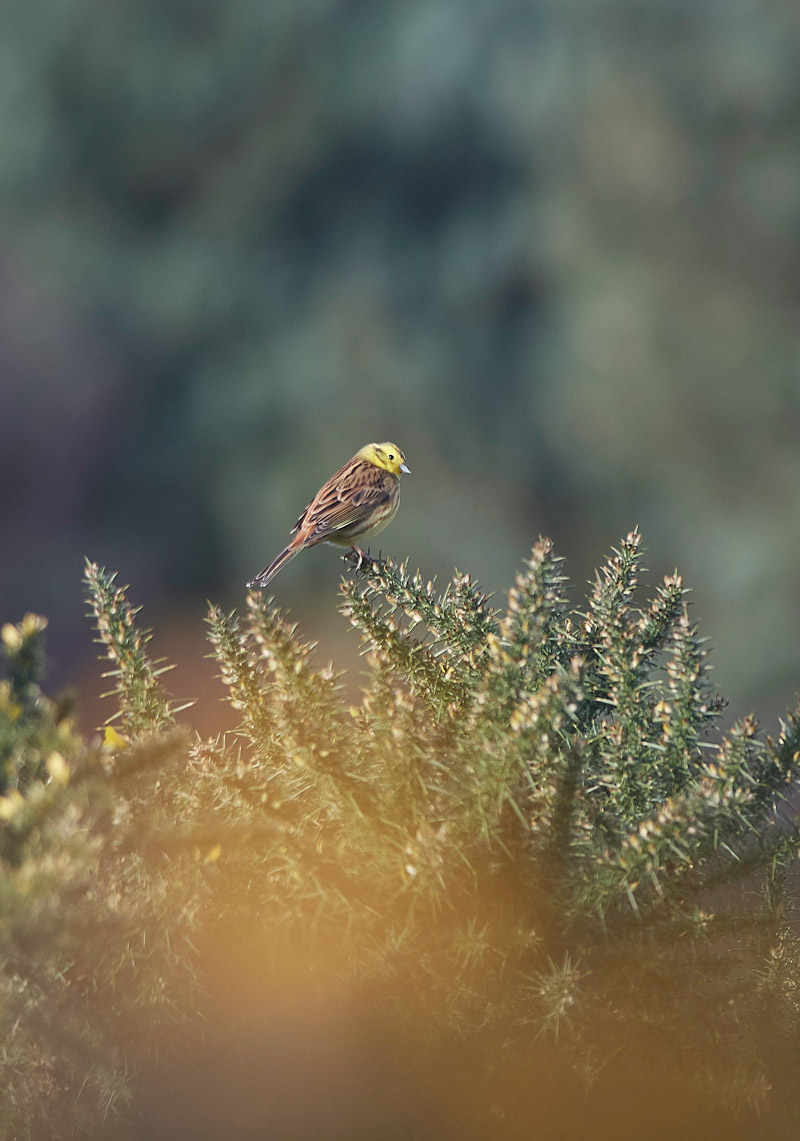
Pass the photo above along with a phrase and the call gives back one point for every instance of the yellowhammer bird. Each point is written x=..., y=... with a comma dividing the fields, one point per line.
x=356, y=503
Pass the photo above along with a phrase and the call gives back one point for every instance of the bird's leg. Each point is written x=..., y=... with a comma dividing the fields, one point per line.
x=360, y=557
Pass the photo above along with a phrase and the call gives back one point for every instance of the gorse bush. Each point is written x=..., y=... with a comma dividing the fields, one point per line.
x=527, y=855
x=88, y=930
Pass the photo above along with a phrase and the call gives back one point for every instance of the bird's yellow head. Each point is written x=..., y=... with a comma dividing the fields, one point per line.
x=388, y=456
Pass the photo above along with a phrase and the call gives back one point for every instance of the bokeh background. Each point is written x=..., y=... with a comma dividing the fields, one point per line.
x=551, y=248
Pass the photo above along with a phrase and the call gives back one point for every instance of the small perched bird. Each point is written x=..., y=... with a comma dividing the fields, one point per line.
x=356, y=503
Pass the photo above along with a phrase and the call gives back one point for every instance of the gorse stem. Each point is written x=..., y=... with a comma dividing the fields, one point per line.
x=143, y=705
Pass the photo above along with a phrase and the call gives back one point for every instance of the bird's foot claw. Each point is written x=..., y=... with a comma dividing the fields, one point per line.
x=359, y=557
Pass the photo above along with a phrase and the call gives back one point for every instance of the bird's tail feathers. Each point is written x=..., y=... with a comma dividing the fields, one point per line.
x=269, y=572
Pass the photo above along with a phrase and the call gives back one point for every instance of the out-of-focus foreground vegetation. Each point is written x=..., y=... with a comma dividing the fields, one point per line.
x=523, y=887
x=551, y=247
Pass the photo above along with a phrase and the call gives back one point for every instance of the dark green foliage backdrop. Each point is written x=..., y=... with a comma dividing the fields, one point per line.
x=550, y=247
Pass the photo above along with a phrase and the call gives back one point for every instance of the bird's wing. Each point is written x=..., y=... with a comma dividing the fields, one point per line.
x=348, y=497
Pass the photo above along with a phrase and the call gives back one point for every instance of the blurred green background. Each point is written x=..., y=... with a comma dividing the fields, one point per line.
x=552, y=249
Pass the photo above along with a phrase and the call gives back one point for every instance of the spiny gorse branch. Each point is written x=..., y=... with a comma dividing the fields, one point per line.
x=143, y=705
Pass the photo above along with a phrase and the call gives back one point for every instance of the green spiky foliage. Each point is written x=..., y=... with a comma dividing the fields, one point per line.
x=92, y=933
x=528, y=856
x=526, y=828
x=143, y=706
x=577, y=764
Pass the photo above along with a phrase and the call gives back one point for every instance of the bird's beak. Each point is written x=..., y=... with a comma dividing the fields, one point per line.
x=405, y=468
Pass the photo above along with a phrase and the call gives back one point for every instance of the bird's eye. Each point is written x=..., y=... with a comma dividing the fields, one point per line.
x=391, y=457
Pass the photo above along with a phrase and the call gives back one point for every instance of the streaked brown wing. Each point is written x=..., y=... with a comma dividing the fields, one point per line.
x=357, y=508
x=349, y=497
x=325, y=491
